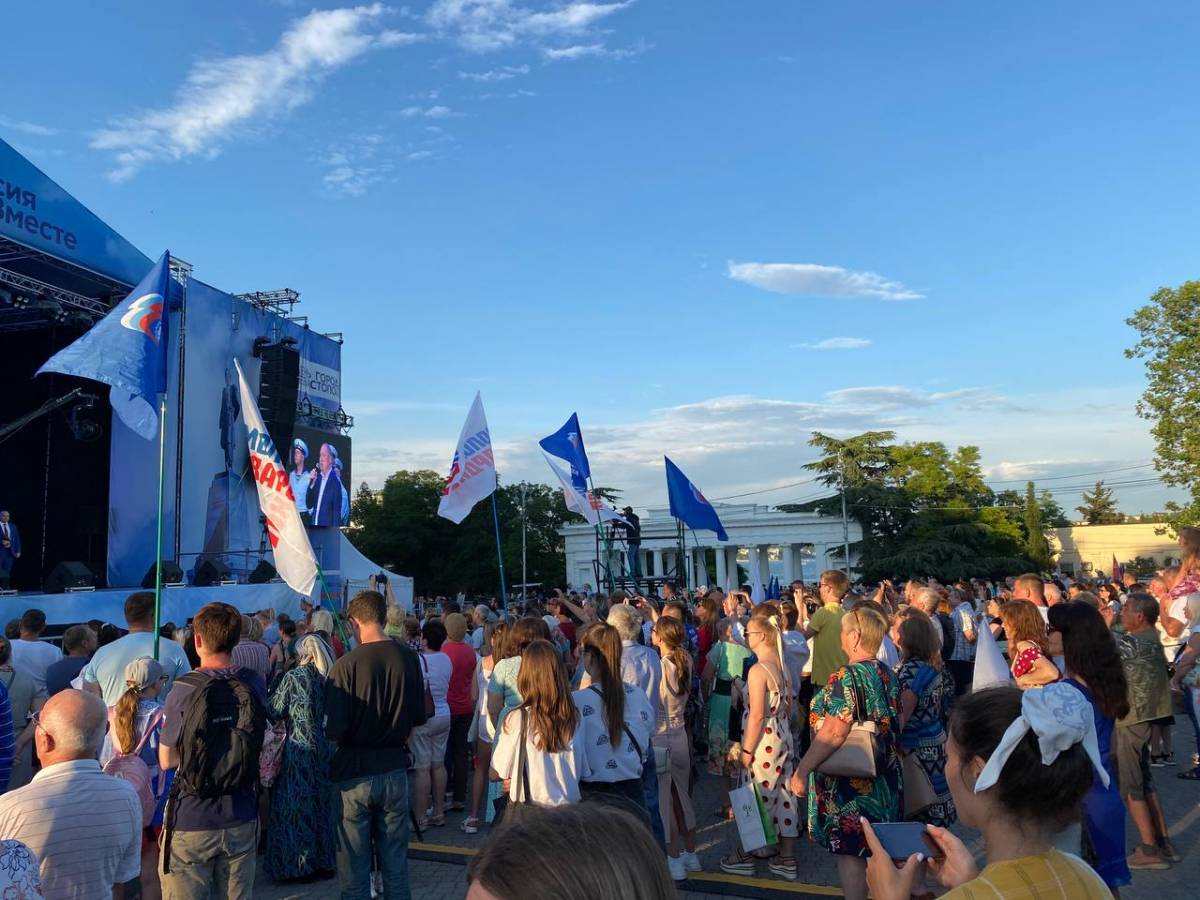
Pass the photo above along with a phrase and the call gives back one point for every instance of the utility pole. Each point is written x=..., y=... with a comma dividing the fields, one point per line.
x=845, y=520
x=525, y=579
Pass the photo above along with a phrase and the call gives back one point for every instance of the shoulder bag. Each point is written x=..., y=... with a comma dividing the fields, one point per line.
x=509, y=812
x=860, y=755
x=915, y=787
x=430, y=707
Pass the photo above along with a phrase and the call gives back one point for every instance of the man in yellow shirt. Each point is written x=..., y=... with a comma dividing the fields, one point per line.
x=825, y=628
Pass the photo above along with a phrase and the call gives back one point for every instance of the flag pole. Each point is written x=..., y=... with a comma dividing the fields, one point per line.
x=162, y=450
x=499, y=553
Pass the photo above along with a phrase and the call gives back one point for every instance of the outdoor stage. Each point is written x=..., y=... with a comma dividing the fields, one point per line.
x=81, y=486
x=178, y=603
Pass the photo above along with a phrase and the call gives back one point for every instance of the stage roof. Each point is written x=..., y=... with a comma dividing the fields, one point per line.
x=53, y=249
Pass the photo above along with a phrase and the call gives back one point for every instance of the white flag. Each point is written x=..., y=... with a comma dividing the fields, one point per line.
x=294, y=559
x=591, y=507
x=990, y=667
x=473, y=469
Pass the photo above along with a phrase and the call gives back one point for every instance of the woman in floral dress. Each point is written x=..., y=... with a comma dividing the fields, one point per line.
x=926, y=698
x=300, y=837
x=837, y=804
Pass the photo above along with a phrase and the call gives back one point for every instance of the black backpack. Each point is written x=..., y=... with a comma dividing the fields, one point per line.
x=220, y=742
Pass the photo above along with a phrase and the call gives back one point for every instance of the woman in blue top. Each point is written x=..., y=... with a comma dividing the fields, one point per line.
x=1094, y=669
x=926, y=697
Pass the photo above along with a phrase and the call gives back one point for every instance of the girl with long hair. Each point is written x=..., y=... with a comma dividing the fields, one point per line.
x=707, y=619
x=300, y=836
x=674, y=785
x=1094, y=669
x=617, y=721
x=503, y=691
x=767, y=747
x=554, y=761
x=491, y=651
x=1028, y=644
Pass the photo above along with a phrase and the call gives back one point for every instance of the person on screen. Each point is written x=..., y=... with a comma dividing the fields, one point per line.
x=325, y=490
x=298, y=476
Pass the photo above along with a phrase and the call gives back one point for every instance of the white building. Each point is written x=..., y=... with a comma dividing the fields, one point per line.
x=787, y=545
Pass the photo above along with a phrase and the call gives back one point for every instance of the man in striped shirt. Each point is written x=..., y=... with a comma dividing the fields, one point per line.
x=84, y=826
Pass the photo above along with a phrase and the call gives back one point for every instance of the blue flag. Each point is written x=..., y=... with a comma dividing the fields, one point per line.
x=567, y=444
x=688, y=504
x=127, y=349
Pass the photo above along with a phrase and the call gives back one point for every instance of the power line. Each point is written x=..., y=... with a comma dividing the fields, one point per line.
x=1061, y=477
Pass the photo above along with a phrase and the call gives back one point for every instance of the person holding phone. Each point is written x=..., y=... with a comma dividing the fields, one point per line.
x=1016, y=794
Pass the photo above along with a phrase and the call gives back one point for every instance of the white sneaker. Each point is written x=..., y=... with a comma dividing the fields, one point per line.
x=691, y=862
x=678, y=870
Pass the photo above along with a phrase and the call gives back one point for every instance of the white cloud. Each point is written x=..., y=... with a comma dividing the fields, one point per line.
x=420, y=154
x=504, y=73
x=428, y=112
x=487, y=25
x=356, y=165
x=224, y=94
x=812, y=280
x=837, y=343
x=31, y=128
x=576, y=51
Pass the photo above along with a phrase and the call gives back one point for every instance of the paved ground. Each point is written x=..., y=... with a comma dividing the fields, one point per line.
x=438, y=867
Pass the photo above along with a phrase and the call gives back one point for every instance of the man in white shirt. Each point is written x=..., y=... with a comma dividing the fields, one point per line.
x=84, y=826
x=32, y=655
x=640, y=666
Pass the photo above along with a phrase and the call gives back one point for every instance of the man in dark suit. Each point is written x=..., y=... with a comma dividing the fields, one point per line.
x=10, y=547
x=325, y=490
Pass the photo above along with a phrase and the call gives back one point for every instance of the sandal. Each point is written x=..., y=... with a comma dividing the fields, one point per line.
x=437, y=821
x=421, y=825
x=1190, y=775
x=784, y=867
x=469, y=825
x=737, y=863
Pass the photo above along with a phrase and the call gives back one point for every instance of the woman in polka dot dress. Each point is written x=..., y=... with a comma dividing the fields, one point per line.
x=767, y=749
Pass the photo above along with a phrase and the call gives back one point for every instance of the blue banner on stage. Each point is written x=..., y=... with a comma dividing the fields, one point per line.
x=36, y=212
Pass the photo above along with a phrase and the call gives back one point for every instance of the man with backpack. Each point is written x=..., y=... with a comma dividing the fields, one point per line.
x=212, y=736
x=374, y=697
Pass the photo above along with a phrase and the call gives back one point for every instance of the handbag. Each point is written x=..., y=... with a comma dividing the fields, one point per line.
x=755, y=830
x=510, y=812
x=860, y=755
x=430, y=708
x=271, y=757
x=917, y=789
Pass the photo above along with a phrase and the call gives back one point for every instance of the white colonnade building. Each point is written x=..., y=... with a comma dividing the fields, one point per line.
x=761, y=538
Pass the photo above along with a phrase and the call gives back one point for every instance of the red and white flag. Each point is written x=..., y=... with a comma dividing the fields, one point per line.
x=590, y=507
x=473, y=469
x=294, y=558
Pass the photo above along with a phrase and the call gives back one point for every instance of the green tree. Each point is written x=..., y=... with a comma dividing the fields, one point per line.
x=399, y=527
x=1099, y=507
x=1169, y=341
x=1037, y=548
x=1053, y=515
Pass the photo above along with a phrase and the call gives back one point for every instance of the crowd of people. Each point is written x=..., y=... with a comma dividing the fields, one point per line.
x=182, y=763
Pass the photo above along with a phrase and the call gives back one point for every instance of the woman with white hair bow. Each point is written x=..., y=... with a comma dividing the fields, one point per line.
x=300, y=837
x=1018, y=765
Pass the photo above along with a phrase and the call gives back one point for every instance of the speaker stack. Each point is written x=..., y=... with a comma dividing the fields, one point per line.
x=278, y=387
x=68, y=575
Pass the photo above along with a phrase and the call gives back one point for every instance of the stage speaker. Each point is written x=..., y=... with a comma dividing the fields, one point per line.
x=262, y=573
x=209, y=572
x=278, y=387
x=68, y=575
x=172, y=574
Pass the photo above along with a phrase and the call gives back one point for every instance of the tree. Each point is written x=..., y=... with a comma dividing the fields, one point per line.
x=1099, y=507
x=1169, y=341
x=1053, y=515
x=399, y=528
x=1037, y=548
x=1142, y=566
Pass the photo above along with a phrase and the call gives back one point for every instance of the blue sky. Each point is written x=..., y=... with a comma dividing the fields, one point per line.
x=709, y=228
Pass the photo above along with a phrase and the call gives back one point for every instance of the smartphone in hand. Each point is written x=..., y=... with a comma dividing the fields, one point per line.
x=902, y=839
